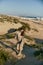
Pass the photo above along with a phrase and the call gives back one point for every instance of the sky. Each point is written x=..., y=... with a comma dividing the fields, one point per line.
x=22, y=7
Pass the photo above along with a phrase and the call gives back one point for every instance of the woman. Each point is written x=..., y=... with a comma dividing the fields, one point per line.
x=20, y=43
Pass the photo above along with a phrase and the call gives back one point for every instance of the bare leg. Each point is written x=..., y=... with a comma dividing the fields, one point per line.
x=18, y=47
x=21, y=48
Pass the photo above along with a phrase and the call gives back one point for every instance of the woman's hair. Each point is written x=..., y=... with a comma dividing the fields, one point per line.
x=22, y=33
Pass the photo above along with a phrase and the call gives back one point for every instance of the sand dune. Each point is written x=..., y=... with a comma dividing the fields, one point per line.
x=4, y=27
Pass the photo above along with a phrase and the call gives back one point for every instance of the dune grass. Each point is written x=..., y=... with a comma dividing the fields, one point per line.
x=35, y=29
x=1, y=20
x=25, y=25
x=28, y=37
x=5, y=56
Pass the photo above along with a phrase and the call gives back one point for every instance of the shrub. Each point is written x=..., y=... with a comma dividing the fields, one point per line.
x=5, y=57
x=1, y=20
x=35, y=29
x=28, y=37
x=25, y=25
x=15, y=20
x=39, y=54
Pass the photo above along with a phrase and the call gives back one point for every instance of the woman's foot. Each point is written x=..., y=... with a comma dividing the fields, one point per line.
x=20, y=56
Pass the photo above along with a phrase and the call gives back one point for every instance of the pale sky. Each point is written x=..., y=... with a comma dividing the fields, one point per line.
x=22, y=7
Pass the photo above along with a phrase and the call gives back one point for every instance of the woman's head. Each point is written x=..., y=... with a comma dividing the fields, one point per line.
x=22, y=32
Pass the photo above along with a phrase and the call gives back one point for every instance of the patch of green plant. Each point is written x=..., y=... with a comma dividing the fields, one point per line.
x=1, y=20
x=35, y=29
x=37, y=46
x=39, y=54
x=15, y=20
x=28, y=37
x=21, y=28
x=8, y=35
x=25, y=25
x=2, y=37
x=5, y=56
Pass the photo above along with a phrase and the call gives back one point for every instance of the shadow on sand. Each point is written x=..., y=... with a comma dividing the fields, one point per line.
x=6, y=46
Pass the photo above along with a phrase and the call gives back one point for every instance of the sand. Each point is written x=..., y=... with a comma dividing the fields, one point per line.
x=4, y=27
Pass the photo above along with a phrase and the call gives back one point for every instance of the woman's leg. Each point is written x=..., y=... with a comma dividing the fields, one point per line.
x=21, y=47
x=18, y=47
